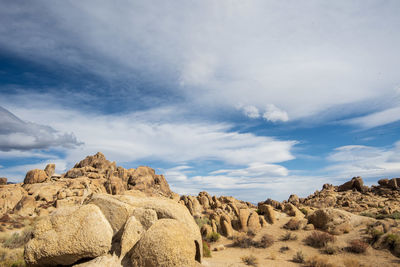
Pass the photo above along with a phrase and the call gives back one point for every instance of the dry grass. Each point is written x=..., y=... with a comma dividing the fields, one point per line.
x=206, y=250
x=318, y=262
x=299, y=257
x=212, y=237
x=289, y=237
x=250, y=260
x=11, y=257
x=266, y=241
x=319, y=239
x=243, y=241
x=331, y=249
x=357, y=246
x=17, y=240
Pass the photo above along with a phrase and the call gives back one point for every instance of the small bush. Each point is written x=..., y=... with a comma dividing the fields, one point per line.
x=18, y=239
x=250, y=260
x=331, y=250
x=206, y=250
x=289, y=237
x=394, y=215
x=318, y=262
x=284, y=249
x=319, y=239
x=392, y=240
x=202, y=221
x=293, y=224
x=266, y=241
x=299, y=257
x=243, y=242
x=375, y=235
x=212, y=237
x=251, y=233
x=357, y=246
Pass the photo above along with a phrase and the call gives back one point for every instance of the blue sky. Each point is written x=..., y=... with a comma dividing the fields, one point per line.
x=254, y=99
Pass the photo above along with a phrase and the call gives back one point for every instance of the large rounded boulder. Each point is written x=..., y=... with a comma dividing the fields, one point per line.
x=165, y=244
x=35, y=176
x=69, y=235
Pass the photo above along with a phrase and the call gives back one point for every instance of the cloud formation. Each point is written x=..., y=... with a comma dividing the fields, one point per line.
x=275, y=114
x=16, y=134
x=305, y=58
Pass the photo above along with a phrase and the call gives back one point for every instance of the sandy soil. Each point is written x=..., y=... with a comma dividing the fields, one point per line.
x=271, y=256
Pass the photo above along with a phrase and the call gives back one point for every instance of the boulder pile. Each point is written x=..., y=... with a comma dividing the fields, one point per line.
x=112, y=230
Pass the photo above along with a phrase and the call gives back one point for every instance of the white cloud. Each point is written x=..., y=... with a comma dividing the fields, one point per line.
x=366, y=161
x=138, y=137
x=377, y=119
x=275, y=114
x=305, y=58
x=251, y=112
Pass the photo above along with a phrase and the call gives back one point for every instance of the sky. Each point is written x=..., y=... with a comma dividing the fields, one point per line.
x=254, y=99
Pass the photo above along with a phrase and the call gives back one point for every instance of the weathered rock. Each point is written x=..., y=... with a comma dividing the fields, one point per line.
x=291, y=210
x=253, y=223
x=294, y=199
x=147, y=217
x=50, y=169
x=117, y=212
x=226, y=228
x=133, y=231
x=145, y=179
x=268, y=212
x=102, y=261
x=26, y=206
x=74, y=173
x=68, y=235
x=3, y=180
x=355, y=182
x=206, y=230
x=35, y=176
x=166, y=244
x=244, y=217
x=10, y=195
x=115, y=186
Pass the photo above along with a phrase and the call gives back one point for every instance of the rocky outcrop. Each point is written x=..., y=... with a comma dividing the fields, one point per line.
x=140, y=231
x=166, y=244
x=35, y=176
x=356, y=183
x=10, y=195
x=50, y=169
x=3, y=180
x=69, y=235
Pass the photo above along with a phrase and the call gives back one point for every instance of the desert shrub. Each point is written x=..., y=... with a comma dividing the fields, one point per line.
x=265, y=241
x=375, y=235
x=251, y=233
x=206, y=249
x=13, y=258
x=250, y=260
x=202, y=221
x=289, y=237
x=357, y=246
x=331, y=249
x=212, y=237
x=318, y=262
x=304, y=211
x=392, y=240
x=243, y=241
x=351, y=263
x=299, y=257
x=319, y=239
x=17, y=240
x=394, y=215
x=293, y=224
x=284, y=249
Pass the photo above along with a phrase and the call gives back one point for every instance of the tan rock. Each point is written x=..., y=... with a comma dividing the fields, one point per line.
x=205, y=230
x=103, y=261
x=116, y=211
x=268, y=212
x=291, y=210
x=3, y=180
x=166, y=244
x=115, y=186
x=26, y=206
x=133, y=231
x=68, y=235
x=244, y=217
x=50, y=169
x=10, y=195
x=35, y=176
x=253, y=223
x=147, y=217
x=145, y=179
